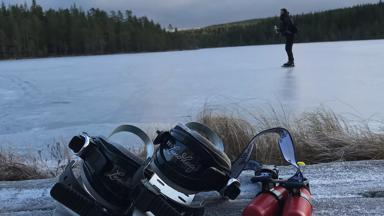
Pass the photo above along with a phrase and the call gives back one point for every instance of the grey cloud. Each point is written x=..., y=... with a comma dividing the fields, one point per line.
x=196, y=13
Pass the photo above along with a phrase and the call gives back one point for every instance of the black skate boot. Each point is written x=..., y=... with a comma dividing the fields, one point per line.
x=289, y=64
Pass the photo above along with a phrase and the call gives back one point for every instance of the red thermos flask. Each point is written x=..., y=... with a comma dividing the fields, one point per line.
x=299, y=204
x=267, y=203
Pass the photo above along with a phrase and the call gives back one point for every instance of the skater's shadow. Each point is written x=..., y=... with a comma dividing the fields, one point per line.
x=288, y=87
x=290, y=70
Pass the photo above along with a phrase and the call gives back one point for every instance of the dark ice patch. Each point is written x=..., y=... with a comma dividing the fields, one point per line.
x=60, y=102
x=373, y=194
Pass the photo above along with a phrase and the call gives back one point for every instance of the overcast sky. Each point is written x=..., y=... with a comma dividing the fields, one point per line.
x=197, y=13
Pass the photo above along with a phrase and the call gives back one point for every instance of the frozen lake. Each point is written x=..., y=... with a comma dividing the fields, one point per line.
x=43, y=100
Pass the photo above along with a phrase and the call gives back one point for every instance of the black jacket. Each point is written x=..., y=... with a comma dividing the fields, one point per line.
x=287, y=28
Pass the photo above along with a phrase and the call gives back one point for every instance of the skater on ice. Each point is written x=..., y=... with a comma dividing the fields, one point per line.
x=288, y=30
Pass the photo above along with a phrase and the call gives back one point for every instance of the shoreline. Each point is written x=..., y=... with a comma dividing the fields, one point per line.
x=337, y=189
x=167, y=51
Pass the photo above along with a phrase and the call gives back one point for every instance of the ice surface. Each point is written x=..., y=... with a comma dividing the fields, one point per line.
x=42, y=100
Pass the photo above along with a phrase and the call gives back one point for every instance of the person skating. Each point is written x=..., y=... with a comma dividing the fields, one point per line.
x=288, y=30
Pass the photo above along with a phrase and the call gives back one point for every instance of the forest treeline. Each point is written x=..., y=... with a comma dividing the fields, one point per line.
x=30, y=31
x=33, y=32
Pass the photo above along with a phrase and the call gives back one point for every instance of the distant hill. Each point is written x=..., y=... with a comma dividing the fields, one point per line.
x=359, y=22
x=233, y=24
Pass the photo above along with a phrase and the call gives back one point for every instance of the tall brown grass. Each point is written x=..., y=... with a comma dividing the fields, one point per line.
x=320, y=135
x=12, y=168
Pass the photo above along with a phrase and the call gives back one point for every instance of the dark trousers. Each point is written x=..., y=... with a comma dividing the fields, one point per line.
x=288, y=47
